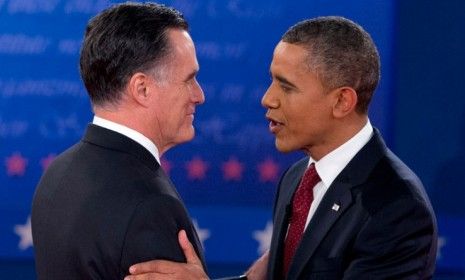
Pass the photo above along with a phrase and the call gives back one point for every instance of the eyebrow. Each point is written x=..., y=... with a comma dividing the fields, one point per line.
x=192, y=75
x=283, y=80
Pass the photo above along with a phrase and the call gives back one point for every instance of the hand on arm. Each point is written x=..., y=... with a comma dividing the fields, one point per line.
x=161, y=269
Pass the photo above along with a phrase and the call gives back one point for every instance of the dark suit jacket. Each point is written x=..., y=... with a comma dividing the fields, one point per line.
x=103, y=205
x=384, y=228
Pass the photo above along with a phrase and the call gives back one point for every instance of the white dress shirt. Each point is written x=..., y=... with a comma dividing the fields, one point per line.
x=131, y=133
x=332, y=164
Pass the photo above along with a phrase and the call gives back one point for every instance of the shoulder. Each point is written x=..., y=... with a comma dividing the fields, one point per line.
x=162, y=205
x=390, y=181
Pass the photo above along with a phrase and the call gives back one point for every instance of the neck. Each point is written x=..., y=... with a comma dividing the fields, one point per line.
x=133, y=119
x=118, y=116
x=344, y=130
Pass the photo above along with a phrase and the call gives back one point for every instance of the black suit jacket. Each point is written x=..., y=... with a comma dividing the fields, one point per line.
x=384, y=228
x=103, y=205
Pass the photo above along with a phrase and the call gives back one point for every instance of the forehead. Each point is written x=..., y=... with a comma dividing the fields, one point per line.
x=288, y=56
x=181, y=44
x=181, y=61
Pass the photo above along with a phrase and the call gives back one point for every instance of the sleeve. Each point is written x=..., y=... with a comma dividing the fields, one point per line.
x=395, y=243
x=153, y=232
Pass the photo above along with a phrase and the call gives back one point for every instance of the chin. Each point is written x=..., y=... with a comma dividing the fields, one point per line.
x=186, y=136
x=283, y=148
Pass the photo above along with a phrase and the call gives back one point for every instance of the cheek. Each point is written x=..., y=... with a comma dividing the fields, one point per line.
x=178, y=113
x=298, y=115
x=304, y=121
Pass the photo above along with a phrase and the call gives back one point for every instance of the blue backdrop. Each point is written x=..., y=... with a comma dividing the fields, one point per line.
x=430, y=114
x=227, y=174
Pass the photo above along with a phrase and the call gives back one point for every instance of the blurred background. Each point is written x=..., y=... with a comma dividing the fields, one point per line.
x=228, y=173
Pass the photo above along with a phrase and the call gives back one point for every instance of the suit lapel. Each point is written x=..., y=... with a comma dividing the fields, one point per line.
x=286, y=191
x=339, y=196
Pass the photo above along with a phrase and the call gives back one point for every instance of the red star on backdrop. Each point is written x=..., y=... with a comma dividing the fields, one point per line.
x=15, y=165
x=45, y=162
x=166, y=165
x=269, y=171
x=232, y=170
x=196, y=169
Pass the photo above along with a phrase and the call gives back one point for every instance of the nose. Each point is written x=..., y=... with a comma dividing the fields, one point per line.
x=197, y=94
x=268, y=99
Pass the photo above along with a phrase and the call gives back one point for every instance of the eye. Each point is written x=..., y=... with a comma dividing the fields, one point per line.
x=285, y=88
x=192, y=78
x=190, y=82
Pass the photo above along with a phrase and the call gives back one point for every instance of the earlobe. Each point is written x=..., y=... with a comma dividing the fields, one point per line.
x=346, y=101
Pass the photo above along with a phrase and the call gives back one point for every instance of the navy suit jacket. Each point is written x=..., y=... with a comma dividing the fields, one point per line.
x=384, y=227
x=103, y=205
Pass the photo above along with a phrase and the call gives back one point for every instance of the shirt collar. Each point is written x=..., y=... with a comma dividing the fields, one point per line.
x=332, y=164
x=131, y=133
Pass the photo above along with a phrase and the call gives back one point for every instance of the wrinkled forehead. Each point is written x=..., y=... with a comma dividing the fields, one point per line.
x=180, y=43
x=181, y=60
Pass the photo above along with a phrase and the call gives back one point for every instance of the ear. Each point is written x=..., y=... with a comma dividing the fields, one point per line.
x=139, y=86
x=345, y=102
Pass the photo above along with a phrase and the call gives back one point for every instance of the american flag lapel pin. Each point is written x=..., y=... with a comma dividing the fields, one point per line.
x=336, y=207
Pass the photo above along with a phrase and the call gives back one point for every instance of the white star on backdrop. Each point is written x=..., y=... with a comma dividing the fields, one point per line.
x=441, y=243
x=263, y=237
x=25, y=234
x=203, y=234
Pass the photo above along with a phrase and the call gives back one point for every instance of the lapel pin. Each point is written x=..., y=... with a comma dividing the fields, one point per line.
x=336, y=207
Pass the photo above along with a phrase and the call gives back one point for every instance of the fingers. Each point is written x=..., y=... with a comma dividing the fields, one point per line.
x=140, y=277
x=162, y=269
x=149, y=276
x=156, y=266
x=188, y=249
x=266, y=256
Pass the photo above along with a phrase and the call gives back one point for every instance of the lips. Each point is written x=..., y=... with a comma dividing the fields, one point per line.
x=191, y=111
x=190, y=114
x=275, y=126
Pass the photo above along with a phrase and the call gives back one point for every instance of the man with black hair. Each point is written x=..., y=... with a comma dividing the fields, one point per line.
x=350, y=209
x=105, y=203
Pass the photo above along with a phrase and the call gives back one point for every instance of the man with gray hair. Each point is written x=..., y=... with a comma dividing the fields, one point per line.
x=105, y=203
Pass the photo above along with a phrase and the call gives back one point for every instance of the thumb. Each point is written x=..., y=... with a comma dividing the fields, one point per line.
x=188, y=249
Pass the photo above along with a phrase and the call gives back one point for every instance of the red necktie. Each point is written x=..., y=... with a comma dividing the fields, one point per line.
x=301, y=202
